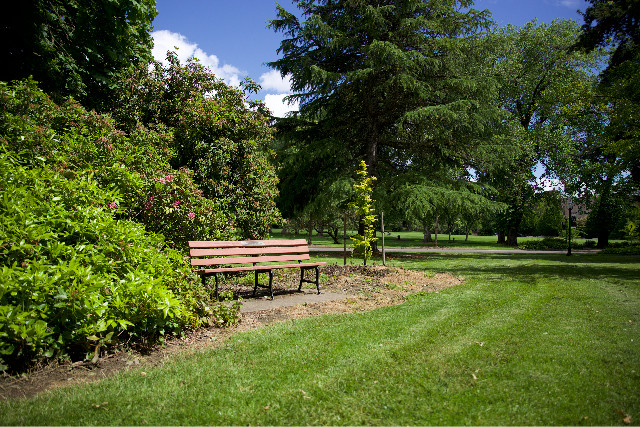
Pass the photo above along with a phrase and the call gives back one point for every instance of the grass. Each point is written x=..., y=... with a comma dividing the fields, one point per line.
x=525, y=340
x=413, y=239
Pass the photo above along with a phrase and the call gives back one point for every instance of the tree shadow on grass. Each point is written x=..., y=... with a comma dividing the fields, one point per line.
x=528, y=266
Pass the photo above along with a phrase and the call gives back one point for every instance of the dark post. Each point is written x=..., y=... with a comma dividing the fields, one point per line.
x=382, y=224
x=344, y=237
x=569, y=228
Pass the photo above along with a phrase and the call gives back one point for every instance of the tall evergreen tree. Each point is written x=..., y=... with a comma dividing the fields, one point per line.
x=392, y=82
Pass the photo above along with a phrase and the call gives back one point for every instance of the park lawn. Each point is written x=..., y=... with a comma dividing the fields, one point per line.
x=526, y=339
x=413, y=239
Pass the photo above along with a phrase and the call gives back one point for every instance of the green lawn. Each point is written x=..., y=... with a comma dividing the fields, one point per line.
x=524, y=340
x=412, y=239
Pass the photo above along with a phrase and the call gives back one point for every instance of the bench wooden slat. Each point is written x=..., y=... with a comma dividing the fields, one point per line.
x=248, y=259
x=249, y=251
x=245, y=243
x=257, y=267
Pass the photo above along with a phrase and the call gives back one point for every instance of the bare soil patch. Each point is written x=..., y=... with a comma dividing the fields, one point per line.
x=367, y=287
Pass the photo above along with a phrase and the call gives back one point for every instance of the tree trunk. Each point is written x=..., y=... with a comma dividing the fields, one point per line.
x=427, y=235
x=333, y=231
x=501, y=240
x=603, y=238
x=514, y=227
x=512, y=237
x=310, y=229
x=435, y=229
x=466, y=239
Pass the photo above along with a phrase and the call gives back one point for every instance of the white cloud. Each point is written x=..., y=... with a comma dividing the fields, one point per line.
x=274, y=81
x=164, y=40
x=571, y=4
x=278, y=106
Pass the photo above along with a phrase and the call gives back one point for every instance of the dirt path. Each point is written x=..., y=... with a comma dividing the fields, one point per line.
x=345, y=289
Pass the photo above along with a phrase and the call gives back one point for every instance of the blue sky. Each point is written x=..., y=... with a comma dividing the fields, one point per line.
x=232, y=38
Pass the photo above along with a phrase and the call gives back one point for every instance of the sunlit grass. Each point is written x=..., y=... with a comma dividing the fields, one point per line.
x=412, y=239
x=524, y=340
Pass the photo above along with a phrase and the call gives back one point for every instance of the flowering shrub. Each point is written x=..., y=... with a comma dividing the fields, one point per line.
x=88, y=216
x=72, y=277
x=72, y=140
x=172, y=205
x=217, y=132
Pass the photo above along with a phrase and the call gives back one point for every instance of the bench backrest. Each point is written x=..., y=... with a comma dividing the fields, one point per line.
x=247, y=251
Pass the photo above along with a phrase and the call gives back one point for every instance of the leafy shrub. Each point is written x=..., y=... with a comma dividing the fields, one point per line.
x=217, y=132
x=626, y=250
x=548, y=243
x=73, y=277
x=74, y=141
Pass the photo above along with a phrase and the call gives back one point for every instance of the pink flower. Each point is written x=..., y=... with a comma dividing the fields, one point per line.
x=113, y=205
x=191, y=215
x=175, y=204
x=169, y=177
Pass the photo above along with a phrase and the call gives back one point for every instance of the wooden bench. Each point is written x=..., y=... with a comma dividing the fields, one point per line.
x=259, y=256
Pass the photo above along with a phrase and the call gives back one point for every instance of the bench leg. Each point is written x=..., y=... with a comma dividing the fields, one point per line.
x=204, y=283
x=255, y=287
x=216, y=291
x=302, y=279
x=271, y=283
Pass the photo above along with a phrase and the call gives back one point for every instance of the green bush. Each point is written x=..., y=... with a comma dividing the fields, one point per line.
x=74, y=141
x=218, y=132
x=74, y=277
x=622, y=250
x=548, y=243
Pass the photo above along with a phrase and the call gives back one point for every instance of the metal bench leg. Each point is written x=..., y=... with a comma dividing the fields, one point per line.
x=318, y=279
x=271, y=283
x=302, y=279
x=216, y=292
x=255, y=287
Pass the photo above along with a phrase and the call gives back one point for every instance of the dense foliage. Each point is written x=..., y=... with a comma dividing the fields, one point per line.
x=89, y=216
x=392, y=83
x=73, y=276
x=538, y=75
x=75, y=47
x=217, y=132
x=71, y=140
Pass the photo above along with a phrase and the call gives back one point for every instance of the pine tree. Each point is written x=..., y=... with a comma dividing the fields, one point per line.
x=394, y=81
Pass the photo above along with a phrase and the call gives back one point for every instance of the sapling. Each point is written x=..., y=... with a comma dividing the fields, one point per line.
x=362, y=205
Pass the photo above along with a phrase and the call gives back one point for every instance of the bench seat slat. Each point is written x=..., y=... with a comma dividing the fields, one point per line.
x=257, y=267
x=249, y=251
x=245, y=243
x=248, y=259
